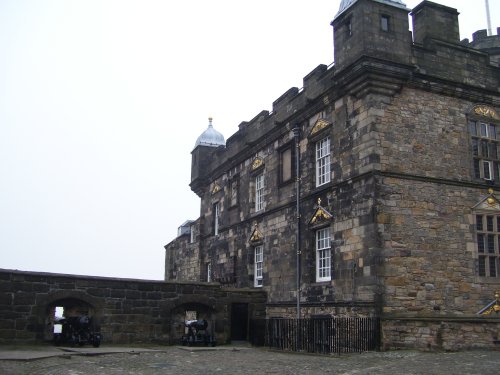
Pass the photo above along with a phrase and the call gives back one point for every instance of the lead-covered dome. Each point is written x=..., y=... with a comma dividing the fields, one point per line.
x=344, y=4
x=210, y=137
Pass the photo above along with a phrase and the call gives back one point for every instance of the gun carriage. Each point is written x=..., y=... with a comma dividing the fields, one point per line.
x=197, y=333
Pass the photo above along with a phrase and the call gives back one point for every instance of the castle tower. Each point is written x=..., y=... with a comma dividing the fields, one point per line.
x=371, y=28
x=206, y=143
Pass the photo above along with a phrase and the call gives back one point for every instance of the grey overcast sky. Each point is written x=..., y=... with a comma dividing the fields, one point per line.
x=101, y=102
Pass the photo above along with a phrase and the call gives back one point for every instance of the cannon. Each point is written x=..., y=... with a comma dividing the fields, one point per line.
x=197, y=333
x=76, y=330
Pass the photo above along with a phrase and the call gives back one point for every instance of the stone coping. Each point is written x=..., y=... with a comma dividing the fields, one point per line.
x=122, y=279
x=463, y=319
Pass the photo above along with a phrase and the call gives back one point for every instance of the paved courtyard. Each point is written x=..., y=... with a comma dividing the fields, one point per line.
x=239, y=360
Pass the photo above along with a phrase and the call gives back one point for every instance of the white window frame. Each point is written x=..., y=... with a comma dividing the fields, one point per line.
x=259, y=192
x=209, y=272
x=258, y=266
x=234, y=193
x=486, y=127
x=488, y=244
x=191, y=234
x=485, y=146
x=216, y=218
x=323, y=255
x=487, y=169
x=323, y=174
x=385, y=23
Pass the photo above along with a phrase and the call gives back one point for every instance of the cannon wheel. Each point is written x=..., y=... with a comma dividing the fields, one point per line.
x=96, y=342
x=57, y=340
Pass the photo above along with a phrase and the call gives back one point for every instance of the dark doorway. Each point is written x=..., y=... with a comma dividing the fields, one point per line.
x=239, y=321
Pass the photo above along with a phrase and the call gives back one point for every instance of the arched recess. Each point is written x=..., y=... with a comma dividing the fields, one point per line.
x=190, y=308
x=74, y=303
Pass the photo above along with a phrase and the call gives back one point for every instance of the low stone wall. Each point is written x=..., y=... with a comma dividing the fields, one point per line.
x=441, y=333
x=127, y=310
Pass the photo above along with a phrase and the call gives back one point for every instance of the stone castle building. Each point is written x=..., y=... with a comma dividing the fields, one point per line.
x=374, y=190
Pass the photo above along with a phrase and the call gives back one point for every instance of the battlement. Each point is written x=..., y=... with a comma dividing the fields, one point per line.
x=481, y=36
x=435, y=21
x=486, y=43
x=481, y=40
x=364, y=64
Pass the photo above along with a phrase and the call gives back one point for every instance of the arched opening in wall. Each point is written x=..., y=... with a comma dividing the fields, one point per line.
x=70, y=318
x=193, y=323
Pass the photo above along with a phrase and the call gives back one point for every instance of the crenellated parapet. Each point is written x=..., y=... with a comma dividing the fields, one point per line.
x=489, y=44
x=285, y=108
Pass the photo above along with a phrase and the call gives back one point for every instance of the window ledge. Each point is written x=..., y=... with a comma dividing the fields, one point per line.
x=321, y=283
x=487, y=280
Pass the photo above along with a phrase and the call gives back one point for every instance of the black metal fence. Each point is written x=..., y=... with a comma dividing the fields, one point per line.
x=334, y=335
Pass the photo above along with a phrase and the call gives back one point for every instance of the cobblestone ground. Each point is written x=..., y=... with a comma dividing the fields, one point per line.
x=173, y=360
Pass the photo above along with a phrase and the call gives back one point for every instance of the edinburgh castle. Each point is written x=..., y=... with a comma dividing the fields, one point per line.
x=374, y=190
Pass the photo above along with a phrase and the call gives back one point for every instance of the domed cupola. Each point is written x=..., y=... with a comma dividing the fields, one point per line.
x=210, y=137
x=202, y=157
x=344, y=4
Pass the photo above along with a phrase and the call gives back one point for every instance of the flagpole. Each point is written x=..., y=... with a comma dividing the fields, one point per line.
x=488, y=18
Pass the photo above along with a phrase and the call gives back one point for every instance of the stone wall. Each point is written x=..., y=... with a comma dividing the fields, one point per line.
x=418, y=128
x=349, y=196
x=429, y=258
x=441, y=334
x=182, y=257
x=127, y=310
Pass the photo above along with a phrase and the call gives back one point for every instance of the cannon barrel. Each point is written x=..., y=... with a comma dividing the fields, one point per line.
x=198, y=325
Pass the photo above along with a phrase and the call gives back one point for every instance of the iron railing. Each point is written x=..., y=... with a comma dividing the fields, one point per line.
x=334, y=335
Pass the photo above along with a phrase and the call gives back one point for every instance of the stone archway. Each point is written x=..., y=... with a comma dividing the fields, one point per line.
x=72, y=303
x=190, y=311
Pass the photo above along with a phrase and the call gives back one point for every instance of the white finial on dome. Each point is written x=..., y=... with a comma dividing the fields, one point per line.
x=210, y=137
